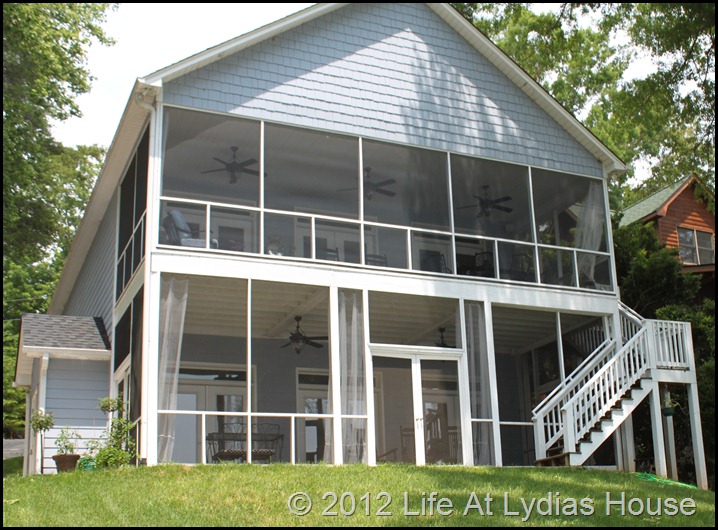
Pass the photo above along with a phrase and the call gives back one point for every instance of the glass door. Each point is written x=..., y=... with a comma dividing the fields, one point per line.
x=417, y=417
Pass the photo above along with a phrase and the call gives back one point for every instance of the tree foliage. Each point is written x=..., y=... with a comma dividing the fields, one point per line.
x=45, y=185
x=44, y=56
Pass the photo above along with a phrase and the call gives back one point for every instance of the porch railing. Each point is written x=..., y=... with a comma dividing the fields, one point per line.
x=605, y=389
x=607, y=375
x=547, y=416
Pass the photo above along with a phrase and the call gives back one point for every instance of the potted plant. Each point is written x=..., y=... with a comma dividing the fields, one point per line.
x=66, y=458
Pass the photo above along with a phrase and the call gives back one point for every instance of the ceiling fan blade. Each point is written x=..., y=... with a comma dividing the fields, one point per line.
x=383, y=183
x=285, y=345
x=502, y=199
x=220, y=161
x=212, y=171
x=317, y=338
x=503, y=209
x=315, y=344
x=385, y=192
x=248, y=162
x=250, y=172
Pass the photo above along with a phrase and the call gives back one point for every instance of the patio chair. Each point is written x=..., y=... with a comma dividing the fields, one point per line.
x=180, y=234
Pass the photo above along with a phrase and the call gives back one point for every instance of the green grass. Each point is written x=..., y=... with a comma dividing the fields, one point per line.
x=12, y=466
x=257, y=495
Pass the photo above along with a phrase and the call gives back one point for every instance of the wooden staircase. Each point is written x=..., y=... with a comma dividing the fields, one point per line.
x=601, y=393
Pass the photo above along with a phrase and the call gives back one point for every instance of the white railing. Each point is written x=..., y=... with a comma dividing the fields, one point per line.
x=631, y=322
x=606, y=375
x=605, y=389
x=673, y=344
x=547, y=416
x=587, y=339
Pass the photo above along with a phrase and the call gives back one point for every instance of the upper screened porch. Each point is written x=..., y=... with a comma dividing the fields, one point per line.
x=286, y=192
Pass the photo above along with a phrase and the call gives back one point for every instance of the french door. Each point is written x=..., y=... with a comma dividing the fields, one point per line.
x=418, y=417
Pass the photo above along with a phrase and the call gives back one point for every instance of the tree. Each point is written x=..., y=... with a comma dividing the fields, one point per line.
x=44, y=54
x=649, y=273
x=45, y=185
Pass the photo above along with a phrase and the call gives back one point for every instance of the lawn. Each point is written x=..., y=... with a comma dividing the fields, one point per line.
x=387, y=495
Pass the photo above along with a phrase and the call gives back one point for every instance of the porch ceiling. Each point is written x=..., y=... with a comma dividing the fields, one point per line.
x=218, y=306
x=518, y=330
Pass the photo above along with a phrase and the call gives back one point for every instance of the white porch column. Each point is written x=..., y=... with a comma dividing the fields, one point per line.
x=659, y=450
x=628, y=446
x=150, y=369
x=669, y=438
x=336, y=397
x=699, y=455
x=493, y=385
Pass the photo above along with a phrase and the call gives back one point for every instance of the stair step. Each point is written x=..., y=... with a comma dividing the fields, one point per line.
x=554, y=461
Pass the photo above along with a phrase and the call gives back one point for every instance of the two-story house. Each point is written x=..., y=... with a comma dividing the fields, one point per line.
x=681, y=220
x=358, y=234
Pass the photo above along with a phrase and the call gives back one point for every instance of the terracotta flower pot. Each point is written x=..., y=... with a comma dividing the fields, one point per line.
x=66, y=462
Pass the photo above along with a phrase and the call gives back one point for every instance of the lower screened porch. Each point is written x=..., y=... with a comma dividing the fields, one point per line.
x=264, y=372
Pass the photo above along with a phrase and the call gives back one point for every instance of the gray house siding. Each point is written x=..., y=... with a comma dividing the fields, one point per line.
x=394, y=72
x=93, y=293
x=73, y=392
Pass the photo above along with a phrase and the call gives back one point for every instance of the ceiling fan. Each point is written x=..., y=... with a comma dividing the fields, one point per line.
x=370, y=188
x=486, y=205
x=233, y=167
x=298, y=339
x=442, y=343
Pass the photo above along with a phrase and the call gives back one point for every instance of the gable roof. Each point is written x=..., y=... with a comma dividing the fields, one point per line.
x=656, y=204
x=59, y=336
x=611, y=163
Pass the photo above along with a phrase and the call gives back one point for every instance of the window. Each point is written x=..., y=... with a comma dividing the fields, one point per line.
x=696, y=247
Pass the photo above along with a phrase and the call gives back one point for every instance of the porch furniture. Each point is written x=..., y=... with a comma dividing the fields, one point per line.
x=434, y=261
x=408, y=446
x=483, y=265
x=179, y=232
x=378, y=260
x=231, y=445
x=331, y=254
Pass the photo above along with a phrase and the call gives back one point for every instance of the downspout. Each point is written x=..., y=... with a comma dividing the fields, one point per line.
x=140, y=100
x=148, y=425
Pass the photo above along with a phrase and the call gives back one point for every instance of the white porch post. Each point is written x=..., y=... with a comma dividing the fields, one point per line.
x=369, y=386
x=659, y=450
x=467, y=430
x=699, y=455
x=337, y=445
x=669, y=438
x=628, y=445
x=493, y=385
x=150, y=370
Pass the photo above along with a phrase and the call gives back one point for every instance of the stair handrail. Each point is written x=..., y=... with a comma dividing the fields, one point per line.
x=604, y=390
x=633, y=318
x=547, y=418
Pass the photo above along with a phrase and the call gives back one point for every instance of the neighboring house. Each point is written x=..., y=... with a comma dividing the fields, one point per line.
x=359, y=234
x=682, y=221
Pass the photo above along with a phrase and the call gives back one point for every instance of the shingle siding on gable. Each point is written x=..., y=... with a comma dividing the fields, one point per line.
x=392, y=72
x=92, y=295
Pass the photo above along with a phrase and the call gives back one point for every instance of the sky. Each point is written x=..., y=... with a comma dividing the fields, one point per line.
x=149, y=37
